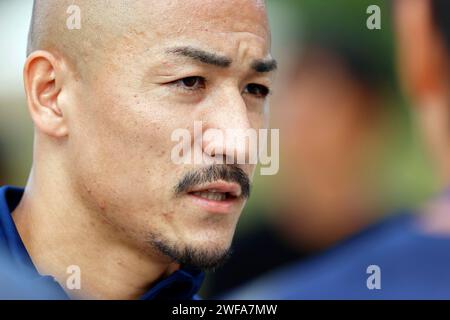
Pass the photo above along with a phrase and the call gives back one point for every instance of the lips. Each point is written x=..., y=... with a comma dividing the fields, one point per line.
x=217, y=197
x=217, y=191
x=211, y=195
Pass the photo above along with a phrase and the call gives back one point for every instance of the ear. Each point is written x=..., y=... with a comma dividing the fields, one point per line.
x=422, y=54
x=43, y=79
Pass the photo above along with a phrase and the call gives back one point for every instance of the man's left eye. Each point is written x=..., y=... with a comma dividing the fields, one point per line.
x=257, y=90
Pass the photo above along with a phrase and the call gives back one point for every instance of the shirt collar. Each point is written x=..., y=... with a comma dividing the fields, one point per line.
x=183, y=284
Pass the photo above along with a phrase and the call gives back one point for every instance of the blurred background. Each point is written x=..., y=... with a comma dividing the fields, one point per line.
x=349, y=152
x=350, y=155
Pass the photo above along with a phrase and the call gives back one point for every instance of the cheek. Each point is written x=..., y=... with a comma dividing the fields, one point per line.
x=120, y=147
x=258, y=118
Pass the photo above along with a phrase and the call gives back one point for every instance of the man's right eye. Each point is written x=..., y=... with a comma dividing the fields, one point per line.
x=191, y=83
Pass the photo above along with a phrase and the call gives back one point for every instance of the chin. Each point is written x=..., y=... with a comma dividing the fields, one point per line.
x=206, y=255
x=211, y=242
x=206, y=258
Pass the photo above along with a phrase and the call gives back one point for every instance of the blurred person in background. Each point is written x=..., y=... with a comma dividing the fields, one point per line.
x=330, y=140
x=331, y=120
x=405, y=256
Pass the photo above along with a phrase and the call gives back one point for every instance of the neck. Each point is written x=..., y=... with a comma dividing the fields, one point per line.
x=59, y=233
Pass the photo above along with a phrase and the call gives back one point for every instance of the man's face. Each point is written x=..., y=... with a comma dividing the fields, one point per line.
x=177, y=63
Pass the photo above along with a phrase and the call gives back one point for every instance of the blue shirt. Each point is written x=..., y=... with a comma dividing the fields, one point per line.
x=19, y=279
x=411, y=264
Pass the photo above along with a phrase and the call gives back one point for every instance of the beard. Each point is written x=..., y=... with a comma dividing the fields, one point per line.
x=185, y=255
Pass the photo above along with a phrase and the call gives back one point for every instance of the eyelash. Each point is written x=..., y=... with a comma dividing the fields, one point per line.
x=180, y=84
x=266, y=91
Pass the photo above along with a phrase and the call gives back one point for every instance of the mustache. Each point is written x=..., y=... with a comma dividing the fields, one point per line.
x=225, y=172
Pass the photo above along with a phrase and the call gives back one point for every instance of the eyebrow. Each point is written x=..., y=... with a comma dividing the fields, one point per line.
x=202, y=56
x=260, y=66
x=265, y=65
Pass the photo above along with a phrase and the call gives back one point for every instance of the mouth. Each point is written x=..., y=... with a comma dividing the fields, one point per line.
x=218, y=197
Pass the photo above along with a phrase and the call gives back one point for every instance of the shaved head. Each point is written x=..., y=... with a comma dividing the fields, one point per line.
x=101, y=22
x=105, y=24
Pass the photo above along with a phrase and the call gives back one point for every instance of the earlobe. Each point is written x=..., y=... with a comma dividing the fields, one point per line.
x=43, y=85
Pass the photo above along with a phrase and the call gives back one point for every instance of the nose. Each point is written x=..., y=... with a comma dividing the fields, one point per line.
x=228, y=136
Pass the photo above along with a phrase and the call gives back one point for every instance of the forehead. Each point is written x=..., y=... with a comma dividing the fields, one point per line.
x=141, y=32
x=206, y=22
x=218, y=15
